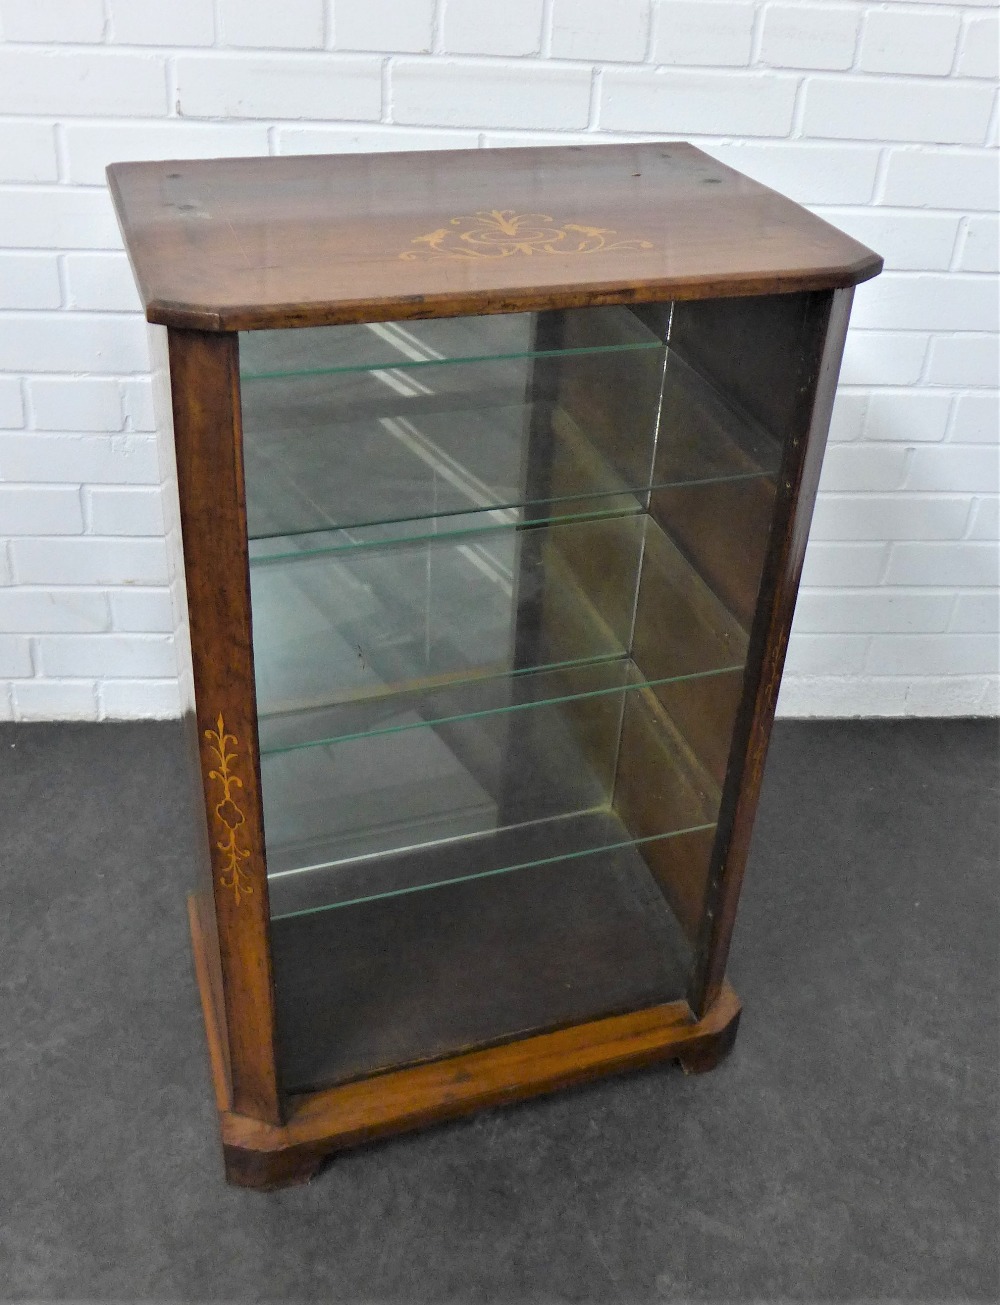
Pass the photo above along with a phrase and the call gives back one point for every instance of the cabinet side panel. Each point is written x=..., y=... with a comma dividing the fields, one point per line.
x=202, y=887
x=204, y=374
x=801, y=418
x=752, y=350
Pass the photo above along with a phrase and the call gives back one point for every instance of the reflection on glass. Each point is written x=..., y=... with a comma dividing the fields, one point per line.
x=361, y=623
x=372, y=346
x=350, y=447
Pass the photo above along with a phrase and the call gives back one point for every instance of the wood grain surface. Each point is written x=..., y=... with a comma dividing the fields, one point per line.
x=238, y=244
x=204, y=374
x=264, y=1156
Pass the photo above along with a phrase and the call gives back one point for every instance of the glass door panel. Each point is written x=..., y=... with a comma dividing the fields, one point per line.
x=503, y=572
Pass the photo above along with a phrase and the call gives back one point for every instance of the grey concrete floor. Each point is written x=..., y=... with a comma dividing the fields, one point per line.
x=845, y=1152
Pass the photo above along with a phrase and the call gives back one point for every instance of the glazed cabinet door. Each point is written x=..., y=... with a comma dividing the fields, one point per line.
x=496, y=679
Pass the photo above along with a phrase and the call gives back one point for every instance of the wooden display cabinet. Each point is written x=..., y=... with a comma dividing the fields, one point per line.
x=495, y=471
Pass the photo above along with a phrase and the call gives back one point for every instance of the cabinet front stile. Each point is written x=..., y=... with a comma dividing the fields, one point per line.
x=204, y=371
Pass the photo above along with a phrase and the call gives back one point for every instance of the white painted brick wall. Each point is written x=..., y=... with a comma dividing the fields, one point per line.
x=672, y=100
x=65, y=82
x=471, y=27
x=11, y=405
x=152, y=22
x=28, y=152
x=881, y=116
x=594, y=29
x=29, y=281
x=901, y=41
x=100, y=282
x=979, y=245
x=696, y=32
x=452, y=93
x=251, y=85
x=809, y=36
x=365, y=26
x=52, y=20
x=106, y=459
x=963, y=358
x=299, y=25
x=980, y=52
x=81, y=403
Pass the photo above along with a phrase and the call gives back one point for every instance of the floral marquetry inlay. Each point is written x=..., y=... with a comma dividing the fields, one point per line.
x=234, y=876
x=499, y=233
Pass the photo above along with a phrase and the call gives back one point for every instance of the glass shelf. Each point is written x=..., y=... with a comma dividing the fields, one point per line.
x=329, y=628
x=416, y=485
x=543, y=447
x=338, y=462
x=333, y=632
x=373, y=346
x=440, y=864
x=424, y=530
x=479, y=763
x=374, y=715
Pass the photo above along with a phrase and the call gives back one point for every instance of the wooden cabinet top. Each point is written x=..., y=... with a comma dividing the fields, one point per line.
x=243, y=244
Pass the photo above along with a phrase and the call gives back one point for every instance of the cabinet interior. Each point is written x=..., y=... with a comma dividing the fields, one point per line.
x=502, y=574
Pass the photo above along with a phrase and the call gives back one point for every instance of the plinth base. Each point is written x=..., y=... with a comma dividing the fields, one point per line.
x=264, y=1156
